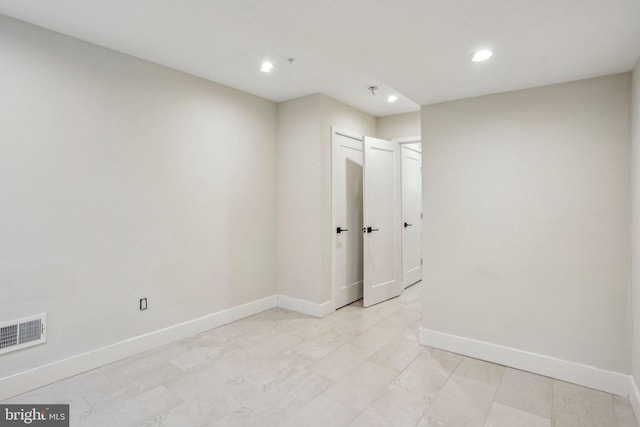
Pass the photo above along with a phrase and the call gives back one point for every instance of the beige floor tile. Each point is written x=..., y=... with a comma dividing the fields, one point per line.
x=242, y=417
x=574, y=406
x=506, y=416
x=366, y=420
x=624, y=412
x=209, y=380
x=268, y=373
x=135, y=411
x=108, y=395
x=299, y=359
x=150, y=423
x=230, y=332
x=197, y=357
x=411, y=332
x=479, y=370
x=340, y=362
x=428, y=374
x=377, y=337
x=362, y=386
x=204, y=409
x=398, y=407
x=295, y=394
x=307, y=329
x=127, y=370
x=463, y=402
x=386, y=308
x=275, y=395
x=432, y=422
x=356, y=325
x=415, y=306
x=397, y=354
x=322, y=344
x=527, y=392
x=322, y=412
x=267, y=344
x=403, y=318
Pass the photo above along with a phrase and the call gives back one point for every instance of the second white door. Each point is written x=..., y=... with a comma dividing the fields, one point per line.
x=382, y=222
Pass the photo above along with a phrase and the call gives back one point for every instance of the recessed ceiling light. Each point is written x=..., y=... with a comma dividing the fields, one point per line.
x=392, y=98
x=266, y=67
x=481, y=55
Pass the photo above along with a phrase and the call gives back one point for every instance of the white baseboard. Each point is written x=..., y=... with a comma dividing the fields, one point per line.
x=46, y=374
x=634, y=396
x=306, y=307
x=588, y=376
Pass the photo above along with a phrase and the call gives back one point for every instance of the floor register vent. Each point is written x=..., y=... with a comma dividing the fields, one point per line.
x=22, y=333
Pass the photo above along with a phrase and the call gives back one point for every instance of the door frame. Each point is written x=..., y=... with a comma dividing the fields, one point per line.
x=402, y=141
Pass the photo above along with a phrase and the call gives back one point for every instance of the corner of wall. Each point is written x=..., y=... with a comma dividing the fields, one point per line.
x=306, y=307
x=634, y=394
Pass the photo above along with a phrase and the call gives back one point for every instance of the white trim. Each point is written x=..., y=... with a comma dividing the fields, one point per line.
x=634, y=396
x=55, y=371
x=407, y=139
x=588, y=376
x=306, y=307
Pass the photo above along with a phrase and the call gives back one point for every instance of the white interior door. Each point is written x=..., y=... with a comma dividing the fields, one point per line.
x=382, y=221
x=411, y=214
x=347, y=161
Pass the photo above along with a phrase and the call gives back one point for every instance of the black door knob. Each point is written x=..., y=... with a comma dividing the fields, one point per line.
x=369, y=229
x=340, y=230
x=406, y=224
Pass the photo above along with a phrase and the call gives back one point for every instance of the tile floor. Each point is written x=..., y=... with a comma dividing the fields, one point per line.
x=356, y=367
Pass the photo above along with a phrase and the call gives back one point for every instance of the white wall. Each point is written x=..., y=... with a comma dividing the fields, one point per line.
x=299, y=203
x=121, y=179
x=526, y=228
x=399, y=125
x=304, y=191
x=635, y=185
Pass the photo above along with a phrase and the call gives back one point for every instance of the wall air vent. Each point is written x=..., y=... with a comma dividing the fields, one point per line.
x=22, y=333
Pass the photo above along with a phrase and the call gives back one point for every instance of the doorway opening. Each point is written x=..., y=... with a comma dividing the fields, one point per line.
x=371, y=225
x=411, y=166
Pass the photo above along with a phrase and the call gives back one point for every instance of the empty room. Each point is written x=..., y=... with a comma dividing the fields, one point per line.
x=299, y=213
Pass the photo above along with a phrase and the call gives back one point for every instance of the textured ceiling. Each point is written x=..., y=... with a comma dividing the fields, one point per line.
x=418, y=49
